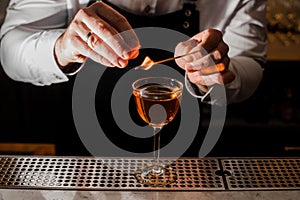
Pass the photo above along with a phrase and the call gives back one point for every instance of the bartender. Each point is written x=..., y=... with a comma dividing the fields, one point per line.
x=47, y=42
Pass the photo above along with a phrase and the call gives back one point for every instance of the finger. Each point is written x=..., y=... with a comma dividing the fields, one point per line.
x=101, y=48
x=199, y=78
x=227, y=77
x=208, y=80
x=216, y=56
x=118, y=21
x=112, y=39
x=220, y=52
x=134, y=53
x=94, y=43
x=85, y=50
x=106, y=32
x=76, y=46
x=210, y=39
x=131, y=43
x=205, y=80
x=200, y=63
x=196, y=53
x=79, y=28
x=101, y=59
x=183, y=48
x=119, y=24
x=215, y=68
x=97, y=44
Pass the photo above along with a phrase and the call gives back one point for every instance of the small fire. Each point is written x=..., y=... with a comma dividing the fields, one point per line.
x=147, y=63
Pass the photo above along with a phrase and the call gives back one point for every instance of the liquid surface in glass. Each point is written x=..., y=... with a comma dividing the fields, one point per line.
x=157, y=104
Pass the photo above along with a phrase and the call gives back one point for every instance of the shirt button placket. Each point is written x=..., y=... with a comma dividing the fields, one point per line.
x=147, y=9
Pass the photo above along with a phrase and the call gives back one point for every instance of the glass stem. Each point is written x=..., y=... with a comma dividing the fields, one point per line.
x=156, y=147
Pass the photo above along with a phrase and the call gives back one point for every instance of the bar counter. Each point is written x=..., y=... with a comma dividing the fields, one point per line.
x=6, y=194
x=45, y=177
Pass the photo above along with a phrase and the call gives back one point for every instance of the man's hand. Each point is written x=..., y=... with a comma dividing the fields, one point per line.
x=100, y=33
x=209, y=64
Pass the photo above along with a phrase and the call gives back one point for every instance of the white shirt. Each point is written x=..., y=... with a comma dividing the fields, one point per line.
x=31, y=28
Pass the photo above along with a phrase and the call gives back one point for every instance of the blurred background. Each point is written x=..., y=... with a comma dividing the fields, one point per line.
x=33, y=119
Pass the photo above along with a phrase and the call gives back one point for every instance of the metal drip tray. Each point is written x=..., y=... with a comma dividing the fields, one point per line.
x=262, y=174
x=102, y=173
x=192, y=174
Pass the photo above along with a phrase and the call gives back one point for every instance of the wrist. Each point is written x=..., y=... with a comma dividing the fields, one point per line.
x=202, y=88
x=58, y=55
x=68, y=68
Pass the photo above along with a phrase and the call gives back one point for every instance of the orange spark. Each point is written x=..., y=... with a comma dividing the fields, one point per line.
x=147, y=63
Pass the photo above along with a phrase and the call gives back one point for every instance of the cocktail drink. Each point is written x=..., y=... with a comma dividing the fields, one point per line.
x=157, y=101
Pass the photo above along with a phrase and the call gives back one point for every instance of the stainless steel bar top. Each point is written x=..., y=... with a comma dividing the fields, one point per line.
x=117, y=174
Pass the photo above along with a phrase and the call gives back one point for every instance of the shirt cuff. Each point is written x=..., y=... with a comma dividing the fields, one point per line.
x=51, y=71
x=196, y=92
x=72, y=69
x=248, y=76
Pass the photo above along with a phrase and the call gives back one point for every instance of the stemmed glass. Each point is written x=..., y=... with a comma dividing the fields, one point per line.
x=157, y=101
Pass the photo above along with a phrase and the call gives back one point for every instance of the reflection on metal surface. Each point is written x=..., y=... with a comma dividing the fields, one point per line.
x=167, y=177
x=102, y=173
x=256, y=174
x=193, y=174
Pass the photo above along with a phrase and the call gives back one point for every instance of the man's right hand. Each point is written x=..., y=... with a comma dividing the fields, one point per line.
x=100, y=33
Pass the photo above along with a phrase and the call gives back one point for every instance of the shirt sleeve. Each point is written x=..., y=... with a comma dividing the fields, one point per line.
x=243, y=25
x=28, y=35
x=246, y=35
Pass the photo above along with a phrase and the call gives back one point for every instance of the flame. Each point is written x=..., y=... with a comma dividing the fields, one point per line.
x=147, y=63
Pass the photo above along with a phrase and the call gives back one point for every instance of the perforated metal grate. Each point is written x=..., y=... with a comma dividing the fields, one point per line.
x=87, y=173
x=258, y=174
x=102, y=173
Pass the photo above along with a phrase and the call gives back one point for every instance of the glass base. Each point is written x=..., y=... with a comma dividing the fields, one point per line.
x=156, y=175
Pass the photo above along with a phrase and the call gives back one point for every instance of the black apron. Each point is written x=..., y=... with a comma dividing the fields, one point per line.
x=185, y=21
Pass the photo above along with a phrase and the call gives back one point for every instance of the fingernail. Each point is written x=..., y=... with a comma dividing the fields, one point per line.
x=122, y=63
x=126, y=54
x=134, y=54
